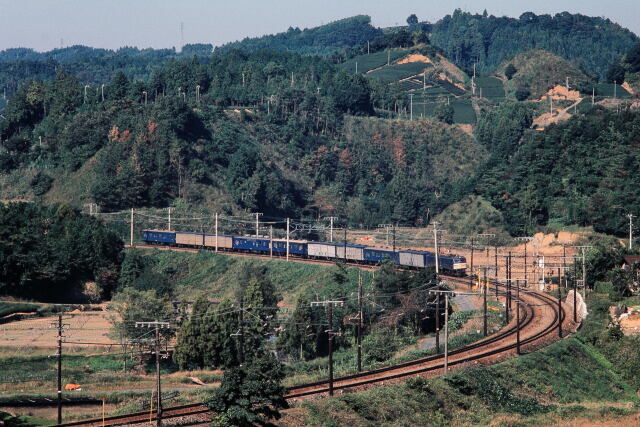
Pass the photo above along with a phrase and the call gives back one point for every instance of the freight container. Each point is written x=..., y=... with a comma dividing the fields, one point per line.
x=380, y=255
x=412, y=258
x=354, y=252
x=189, y=238
x=224, y=241
x=158, y=236
x=321, y=250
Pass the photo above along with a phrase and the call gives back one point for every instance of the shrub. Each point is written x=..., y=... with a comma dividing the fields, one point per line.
x=41, y=183
x=522, y=94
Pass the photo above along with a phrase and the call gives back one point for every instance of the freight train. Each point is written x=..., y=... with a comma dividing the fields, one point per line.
x=361, y=254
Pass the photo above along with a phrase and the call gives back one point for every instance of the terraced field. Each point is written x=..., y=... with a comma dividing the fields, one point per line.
x=372, y=61
x=393, y=73
x=491, y=88
x=610, y=90
x=463, y=112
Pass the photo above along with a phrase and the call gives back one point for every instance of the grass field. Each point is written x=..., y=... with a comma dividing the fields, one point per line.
x=372, y=61
x=397, y=72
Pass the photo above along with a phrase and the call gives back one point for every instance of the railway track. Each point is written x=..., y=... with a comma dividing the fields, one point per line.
x=539, y=319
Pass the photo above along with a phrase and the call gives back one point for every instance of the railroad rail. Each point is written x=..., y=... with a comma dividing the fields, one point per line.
x=539, y=319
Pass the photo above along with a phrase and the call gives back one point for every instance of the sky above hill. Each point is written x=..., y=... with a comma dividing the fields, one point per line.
x=48, y=24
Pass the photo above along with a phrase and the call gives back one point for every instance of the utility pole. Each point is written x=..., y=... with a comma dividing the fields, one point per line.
x=216, y=230
x=131, y=231
x=506, y=299
x=169, y=218
x=157, y=326
x=258, y=215
x=411, y=106
x=630, y=216
x=271, y=241
x=438, y=323
x=331, y=219
x=330, y=333
x=446, y=323
x=287, y=239
x=484, y=302
x=526, y=240
x=60, y=326
x=518, y=317
x=394, y=237
x=495, y=257
x=345, y=243
x=435, y=239
x=360, y=322
x=559, y=311
x=386, y=227
x=472, y=271
x=575, y=290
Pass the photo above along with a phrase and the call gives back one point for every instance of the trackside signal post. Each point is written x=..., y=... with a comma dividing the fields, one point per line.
x=330, y=333
x=157, y=326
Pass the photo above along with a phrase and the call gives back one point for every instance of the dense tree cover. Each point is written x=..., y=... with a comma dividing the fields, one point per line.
x=141, y=306
x=249, y=395
x=153, y=144
x=321, y=40
x=92, y=66
x=580, y=172
x=214, y=336
x=592, y=42
x=47, y=252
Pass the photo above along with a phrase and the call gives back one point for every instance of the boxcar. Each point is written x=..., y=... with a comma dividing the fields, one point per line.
x=321, y=249
x=253, y=244
x=354, y=252
x=412, y=258
x=189, y=238
x=296, y=247
x=159, y=236
x=380, y=255
x=224, y=241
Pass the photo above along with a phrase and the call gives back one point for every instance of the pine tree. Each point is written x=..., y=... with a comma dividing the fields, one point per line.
x=189, y=352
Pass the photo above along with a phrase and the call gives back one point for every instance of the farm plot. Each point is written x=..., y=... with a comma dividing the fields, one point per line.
x=397, y=72
x=490, y=87
x=610, y=90
x=463, y=112
x=372, y=61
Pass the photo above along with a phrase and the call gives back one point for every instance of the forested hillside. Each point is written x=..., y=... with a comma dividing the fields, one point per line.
x=322, y=40
x=592, y=43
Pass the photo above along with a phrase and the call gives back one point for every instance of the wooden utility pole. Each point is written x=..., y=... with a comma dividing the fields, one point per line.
x=216, y=231
x=518, y=316
x=446, y=323
x=484, y=302
x=438, y=323
x=157, y=326
x=131, y=229
x=360, y=322
x=330, y=334
x=472, y=272
x=60, y=327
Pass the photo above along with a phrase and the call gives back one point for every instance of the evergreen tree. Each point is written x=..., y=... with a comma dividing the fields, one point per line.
x=251, y=394
x=190, y=344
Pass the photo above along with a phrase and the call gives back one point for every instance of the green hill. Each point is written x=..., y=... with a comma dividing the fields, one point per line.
x=322, y=40
x=539, y=70
x=593, y=43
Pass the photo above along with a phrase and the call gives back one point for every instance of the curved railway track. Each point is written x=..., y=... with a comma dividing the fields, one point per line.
x=539, y=318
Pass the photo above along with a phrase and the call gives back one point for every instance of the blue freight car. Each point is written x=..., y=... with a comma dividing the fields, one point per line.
x=295, y=248
x=252, y=244
x=380, y=255
x=158, y=236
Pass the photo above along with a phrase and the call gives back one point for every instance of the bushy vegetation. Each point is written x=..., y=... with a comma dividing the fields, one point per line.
x=48, y=252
